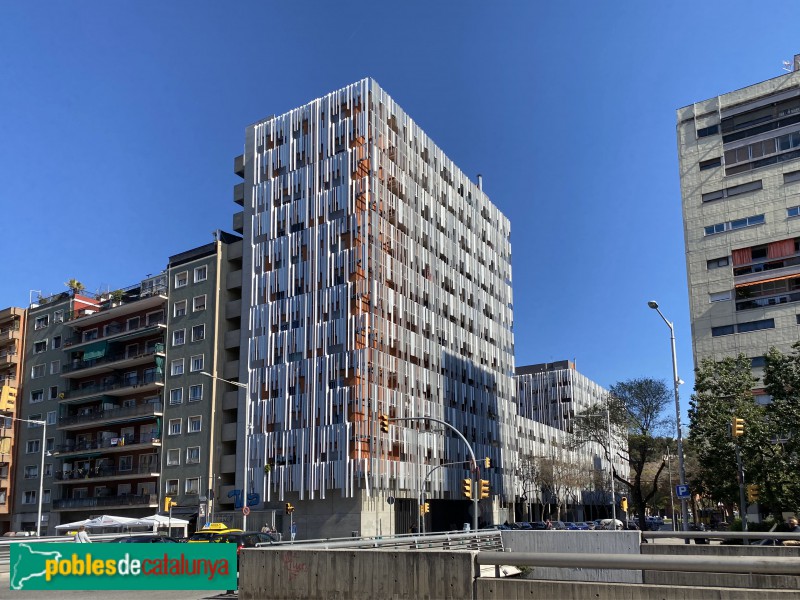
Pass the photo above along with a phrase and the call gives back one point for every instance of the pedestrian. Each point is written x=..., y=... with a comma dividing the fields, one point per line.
x=81, y=537
x=549, y=524
x=265, y=529
x=793, y=526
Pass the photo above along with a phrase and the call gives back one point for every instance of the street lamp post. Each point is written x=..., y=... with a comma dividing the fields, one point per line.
x=668, y=458
x=41, y=469
x=676, y=381
x=248, y=432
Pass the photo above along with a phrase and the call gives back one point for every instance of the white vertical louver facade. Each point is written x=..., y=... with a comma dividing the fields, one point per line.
x=378, y=280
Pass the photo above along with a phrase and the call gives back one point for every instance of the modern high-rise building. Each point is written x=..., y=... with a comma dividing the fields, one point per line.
x=740, y=184
x=377, y=282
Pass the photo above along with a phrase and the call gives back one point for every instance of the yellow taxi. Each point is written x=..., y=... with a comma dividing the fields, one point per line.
x=210, y=531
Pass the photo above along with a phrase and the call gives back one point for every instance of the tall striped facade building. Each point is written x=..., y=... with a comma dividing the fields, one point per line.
x=378, y=279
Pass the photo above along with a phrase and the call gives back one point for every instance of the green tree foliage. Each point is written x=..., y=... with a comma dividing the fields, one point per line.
x=722, y=390
x=76, y=286
x=638, y=408
x=778, y=474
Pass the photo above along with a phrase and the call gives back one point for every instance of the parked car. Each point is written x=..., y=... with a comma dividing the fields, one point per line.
x=558, y=525
x=500, y=526
x=206, y=534
x=631, y=524
x=538, y=525
x=573, y=526
x=521, y=525
x=145, y=539
x=590, y=524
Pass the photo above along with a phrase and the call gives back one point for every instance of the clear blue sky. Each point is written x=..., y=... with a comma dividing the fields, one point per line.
x=119, y=122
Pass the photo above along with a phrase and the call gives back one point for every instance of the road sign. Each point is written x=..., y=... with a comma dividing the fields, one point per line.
x=682, y=492
x=390, y=500
x=245, y=510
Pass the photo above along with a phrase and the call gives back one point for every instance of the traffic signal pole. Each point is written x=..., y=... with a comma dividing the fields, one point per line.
x=742, y=500
x=471, y=454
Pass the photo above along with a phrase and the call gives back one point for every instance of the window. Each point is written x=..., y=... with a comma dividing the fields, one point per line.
x=195, y=393
x=55, y=367
x=176, y=396
x=90, y=334
x=199, y=303
x=743, y=327
x=37, y=371
x=32, y=472
x=758, y=362
x=196, y=363
x=126, y=463
x=173, y=457
x=172, y=487
x=45, y=496
x=37, y=396
x=133, y=323
x=56, y=342
x=793, y=211
x=716, y=263
x=32, y=418
x=737, y=224
x=732, y=191
x=176, y=367
x=198, y=332
x=182, y=279
x=50, y=444
x=791, y=177
x=179, y=308
x=39, y=347
x=720, y=296
x=710, y=163
x=193, y=455
x=51, y=417
x=707, y=131
x=174, y=426
x=33, y=446
x=192, y=486
x=195, y=424
x=155, y=318
x=179, y=337
x=58, y=316
x=200, y=274
x=29, y=498
x=41, y=322
x=48, y=470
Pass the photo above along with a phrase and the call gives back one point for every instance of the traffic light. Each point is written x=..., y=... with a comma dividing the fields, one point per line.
x=424, y=508
x=289, y=508
x=623, y=504
x=169, y=503
x=753, y=492
x=487, y=462
x=384, y=423
x=484, y=488
x=468, y=488
x=737, y=428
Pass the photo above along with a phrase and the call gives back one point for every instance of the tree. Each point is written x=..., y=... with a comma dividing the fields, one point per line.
x=636, y=408
x=723, y=389
x=75, y=285
x=562, y=479
x=529, y=477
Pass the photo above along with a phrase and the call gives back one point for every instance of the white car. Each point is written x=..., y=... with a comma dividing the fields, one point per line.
x=607, y=524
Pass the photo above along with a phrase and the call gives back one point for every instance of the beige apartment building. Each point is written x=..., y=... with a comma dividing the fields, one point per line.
x=740, y=184
x=12, y=335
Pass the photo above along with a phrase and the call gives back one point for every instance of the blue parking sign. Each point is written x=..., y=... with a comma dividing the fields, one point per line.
x=682, y=491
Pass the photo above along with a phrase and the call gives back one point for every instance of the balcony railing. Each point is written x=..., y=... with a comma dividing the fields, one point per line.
x=148, y=409
x=102, y=501
x=98, y=472
x=115, y=385
x=114, y=329
x=109, y=358
x=114, y=442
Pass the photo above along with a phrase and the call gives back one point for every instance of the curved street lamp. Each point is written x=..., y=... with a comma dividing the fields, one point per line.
x=677, y=382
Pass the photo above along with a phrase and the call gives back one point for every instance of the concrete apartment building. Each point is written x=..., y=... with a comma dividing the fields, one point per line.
x=740, y=185
x=377, y=281
x=12, y=336
x=117, y=377
x=549, y=396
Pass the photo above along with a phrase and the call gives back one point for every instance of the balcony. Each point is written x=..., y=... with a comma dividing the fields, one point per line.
x=233, y=309
x=125, y=387
x=105, y=446
x=229, y=432
x=238, y=165
x=238, y=194
x=105, y=474
x=238, y=222
x=117, y=332
x=234, y=280
x=100, y=416
x=105, y=502
x=8, y=359
x=109, y=363
x=235, y=250
x=230, y=370
x=131, y=301
x=232, y=339
x=13, y=334
x=228, y=464
x=230, y=401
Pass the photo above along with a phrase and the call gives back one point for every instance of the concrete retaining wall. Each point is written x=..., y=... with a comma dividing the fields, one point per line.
x=355, y=574
x=583, y=542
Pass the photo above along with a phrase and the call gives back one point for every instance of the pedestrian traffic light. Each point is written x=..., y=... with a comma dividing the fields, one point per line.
x=487, y=462
x=737, y=427
x=484, y=489
x=289, y=508
x=169, y=503
x=468, y=488
x=752, y=493
x=623, y=504
x=384, y=423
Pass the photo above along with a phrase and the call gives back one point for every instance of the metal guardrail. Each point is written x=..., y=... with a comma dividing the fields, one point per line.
x=489, y=539
x=694, y=563
x=723, y=535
